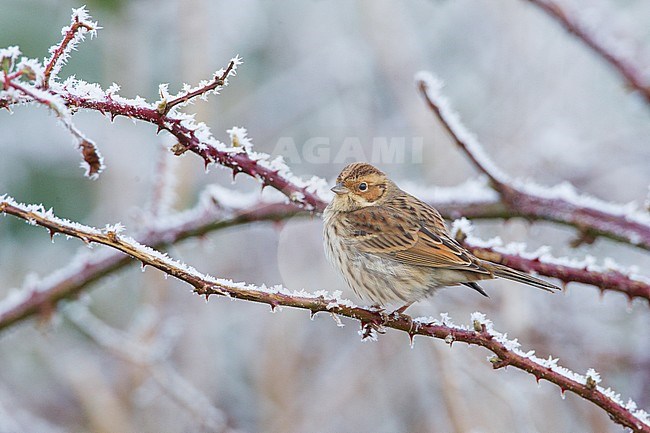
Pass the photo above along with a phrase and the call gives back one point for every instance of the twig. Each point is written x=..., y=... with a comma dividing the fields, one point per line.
x=219, y=81
x=93, y=162
x=237, y=159
x=561, y=204
x=542, y=263
x=604, y=280
x=163, y=185
x=74, y=33
x=630, y=72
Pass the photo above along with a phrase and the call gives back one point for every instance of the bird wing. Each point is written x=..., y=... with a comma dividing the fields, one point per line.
x=413, y=236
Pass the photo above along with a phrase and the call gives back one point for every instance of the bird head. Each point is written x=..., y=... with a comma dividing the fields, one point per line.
x=360, y=185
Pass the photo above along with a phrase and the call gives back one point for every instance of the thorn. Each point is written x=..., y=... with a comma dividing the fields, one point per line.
x=45, y=313
x=584, y=237
x=499, y=363
x=411, y=339
x=113, y=116
x=52, y=233
x=312, y=314
x=142, y=265
x=366, y=330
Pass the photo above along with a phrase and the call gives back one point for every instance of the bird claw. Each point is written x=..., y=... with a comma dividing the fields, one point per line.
x=370, y=329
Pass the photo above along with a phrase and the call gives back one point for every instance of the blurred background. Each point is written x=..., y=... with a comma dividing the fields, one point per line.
x=139, y=352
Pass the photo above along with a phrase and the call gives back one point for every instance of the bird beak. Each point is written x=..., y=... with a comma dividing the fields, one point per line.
x=340, y=189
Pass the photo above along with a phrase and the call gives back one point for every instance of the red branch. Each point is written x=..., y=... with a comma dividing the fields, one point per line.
x=630, y=72
x=369, y=317
x=216, y=82
x=239, y=162
x=588, y=220
x=79, y=274
x=60, y=49
x=71, y=280
x=606, y=280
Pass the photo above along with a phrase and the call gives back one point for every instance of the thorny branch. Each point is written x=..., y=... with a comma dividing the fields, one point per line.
x=304, y=199
x=42, y=297
x=219, y=81
x=536, y=202
x=506, y=351
x=571, y=23
x=607, y=279
x=59, y=51
x=239, y=161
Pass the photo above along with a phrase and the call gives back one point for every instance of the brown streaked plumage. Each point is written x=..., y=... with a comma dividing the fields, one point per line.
x=392, y=247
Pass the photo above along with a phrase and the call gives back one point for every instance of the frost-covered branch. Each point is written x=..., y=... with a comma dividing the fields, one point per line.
x=64, y=97
x=610, y=276
x=219, y=209
x=561, y=204
x=203, y=89
x=42, y=296
x=506, y=351
x=72, y=35
x=27, y=81
x=72, y=94
x=603, y=47
x=197, y=138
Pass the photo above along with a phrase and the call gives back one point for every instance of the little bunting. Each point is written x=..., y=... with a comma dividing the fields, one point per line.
x=391, y=247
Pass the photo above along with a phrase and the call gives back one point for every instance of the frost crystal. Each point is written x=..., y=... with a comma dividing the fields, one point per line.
x=462, y=227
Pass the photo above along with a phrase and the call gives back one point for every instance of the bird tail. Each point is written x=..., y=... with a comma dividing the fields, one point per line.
x=520, y=277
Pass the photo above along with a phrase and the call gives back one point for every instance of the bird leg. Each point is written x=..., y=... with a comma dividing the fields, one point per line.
x=400, y=311
x=369, y=328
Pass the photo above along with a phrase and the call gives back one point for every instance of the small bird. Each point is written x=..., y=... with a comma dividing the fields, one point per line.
x=391, y=247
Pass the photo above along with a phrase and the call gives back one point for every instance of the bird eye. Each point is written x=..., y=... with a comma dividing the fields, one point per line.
x=363, y=186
